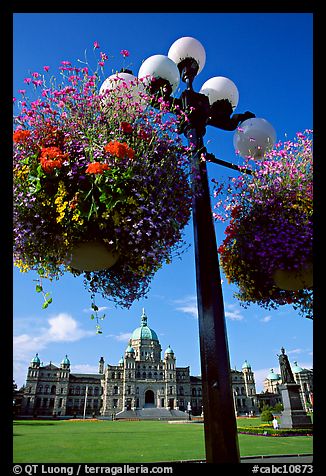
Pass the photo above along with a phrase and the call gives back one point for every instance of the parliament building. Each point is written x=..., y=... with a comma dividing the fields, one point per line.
x=142, y=384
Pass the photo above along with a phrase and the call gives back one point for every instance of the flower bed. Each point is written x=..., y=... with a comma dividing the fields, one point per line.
x=267, y=251
x=98, y=168
x=264, y=431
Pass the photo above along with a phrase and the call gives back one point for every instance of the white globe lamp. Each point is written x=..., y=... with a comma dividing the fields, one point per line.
x=188, y=47
x=254, y=137
x=219, y=88
x=159, y=67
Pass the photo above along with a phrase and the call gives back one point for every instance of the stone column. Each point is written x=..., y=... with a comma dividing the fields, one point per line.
x=293, y=415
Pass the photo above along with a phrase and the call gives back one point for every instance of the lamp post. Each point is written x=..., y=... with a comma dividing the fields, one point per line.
x=214, y=106
x=85, y=402
x=189, y=410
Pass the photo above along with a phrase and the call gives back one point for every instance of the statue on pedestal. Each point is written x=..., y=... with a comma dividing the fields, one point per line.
x=285, y=368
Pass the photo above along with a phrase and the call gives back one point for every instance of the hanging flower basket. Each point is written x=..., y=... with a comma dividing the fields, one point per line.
x=294, y=279
x=92, y=256
x=101, y=184
x=267, y=251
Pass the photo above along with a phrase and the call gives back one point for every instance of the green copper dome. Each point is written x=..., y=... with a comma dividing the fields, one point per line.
x=36, y=360
x=273, y=376
x=144, y=332
x=296, y=368
x=66, y=361
x=246, y=365
x=129, y=350
x=169, y=350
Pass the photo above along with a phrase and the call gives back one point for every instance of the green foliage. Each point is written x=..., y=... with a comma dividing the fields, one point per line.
x=266, y=415
x=269, y=431
x=278, y=407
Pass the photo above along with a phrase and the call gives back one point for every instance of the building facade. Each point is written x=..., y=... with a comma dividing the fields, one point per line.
x=143, y=378
x=303, y=377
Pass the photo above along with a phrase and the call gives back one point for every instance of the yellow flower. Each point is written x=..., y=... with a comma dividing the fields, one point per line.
x=60, y=202
x=23, y=268
x=21, y=172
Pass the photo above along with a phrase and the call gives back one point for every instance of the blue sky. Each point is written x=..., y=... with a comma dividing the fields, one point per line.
x=269, y=56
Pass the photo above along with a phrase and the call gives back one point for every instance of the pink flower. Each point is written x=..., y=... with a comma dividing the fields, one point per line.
x=124, y=53
x=46, y=68
x=96, y=44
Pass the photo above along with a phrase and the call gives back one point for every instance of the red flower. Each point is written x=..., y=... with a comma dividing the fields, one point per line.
x=51, y=158
x=126, y=127
x=119, y=149
x=96, y=168
x=20, y=135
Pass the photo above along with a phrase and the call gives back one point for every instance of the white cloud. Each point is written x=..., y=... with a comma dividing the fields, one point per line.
x=260, y=376
x=84, y=369
x=61, y=328
x=266, y=319
x=122, y=337
x=294, y=351
x=100, y=309
x=188, y=305
x=233, y=312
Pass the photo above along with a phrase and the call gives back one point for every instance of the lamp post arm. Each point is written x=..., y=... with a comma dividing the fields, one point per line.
x=211, y=158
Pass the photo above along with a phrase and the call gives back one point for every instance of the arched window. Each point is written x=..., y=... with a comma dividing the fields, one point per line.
x=40, y=389
x=144, y=374
x=115, y=390
x=77, y=390
x=53, y=389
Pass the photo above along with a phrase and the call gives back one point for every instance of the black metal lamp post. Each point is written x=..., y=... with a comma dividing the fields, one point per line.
x=221, y=439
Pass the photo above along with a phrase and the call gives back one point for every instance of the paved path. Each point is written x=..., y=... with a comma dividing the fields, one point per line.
x=291, y=459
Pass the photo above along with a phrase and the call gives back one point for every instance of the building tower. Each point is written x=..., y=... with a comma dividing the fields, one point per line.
x=101, y=366
x=250, y=387
x=170, y=378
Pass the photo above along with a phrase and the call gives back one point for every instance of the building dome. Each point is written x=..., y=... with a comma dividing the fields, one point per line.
x=273, y=376
x=65, y=361
x=246, y=365
x=296, y=368
x=121, y=361
x=169, y=351
x=144, y=332
x=130, y=350
x=36, y=360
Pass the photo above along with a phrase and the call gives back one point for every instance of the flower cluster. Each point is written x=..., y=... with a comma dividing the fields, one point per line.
x=270, y=229
x=97, y=167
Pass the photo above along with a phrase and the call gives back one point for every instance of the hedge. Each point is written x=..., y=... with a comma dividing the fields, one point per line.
x=263, y=431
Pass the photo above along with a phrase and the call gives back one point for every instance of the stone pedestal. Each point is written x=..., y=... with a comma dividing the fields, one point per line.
x=293, y=415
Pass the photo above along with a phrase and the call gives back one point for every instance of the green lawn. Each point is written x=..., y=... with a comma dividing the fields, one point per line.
x=130, y=442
